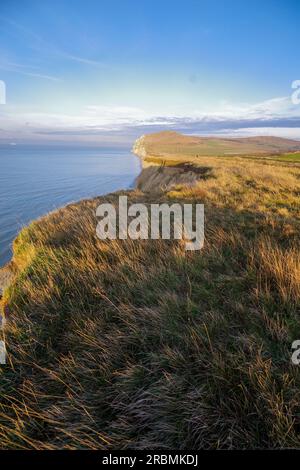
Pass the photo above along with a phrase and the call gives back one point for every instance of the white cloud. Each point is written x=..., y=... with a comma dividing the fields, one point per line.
x=275, y=107
x=37, y=43
x=26, y=70
x=285, y=132
x=277, y=117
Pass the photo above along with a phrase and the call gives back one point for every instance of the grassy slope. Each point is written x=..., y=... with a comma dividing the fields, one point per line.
x=174, y=145
x=143, y=345
x=293, y=157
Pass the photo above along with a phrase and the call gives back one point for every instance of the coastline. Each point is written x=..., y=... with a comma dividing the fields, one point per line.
x=158, y=172
x=93, y=321
x=7, y=271
x=154, y=177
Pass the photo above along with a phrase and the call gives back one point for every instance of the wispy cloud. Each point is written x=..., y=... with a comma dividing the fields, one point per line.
x=39, y=75
x=36, y=42
x=95, y=123
x=82, y=60
x=27, y=70
x=285, y=132
x=20, y=28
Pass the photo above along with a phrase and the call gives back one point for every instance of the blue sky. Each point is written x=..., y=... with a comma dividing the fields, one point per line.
x=106, y=71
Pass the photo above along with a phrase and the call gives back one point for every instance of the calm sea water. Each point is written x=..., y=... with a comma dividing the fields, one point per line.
x=35, y=180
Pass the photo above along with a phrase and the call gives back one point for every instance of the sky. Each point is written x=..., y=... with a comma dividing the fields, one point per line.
x=107, y=71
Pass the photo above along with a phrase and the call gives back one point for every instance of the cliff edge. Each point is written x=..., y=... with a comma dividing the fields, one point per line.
x=139, y=344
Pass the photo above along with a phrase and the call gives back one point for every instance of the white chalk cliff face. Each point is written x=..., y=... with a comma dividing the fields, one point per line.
x=139, y=147
x=156, y=177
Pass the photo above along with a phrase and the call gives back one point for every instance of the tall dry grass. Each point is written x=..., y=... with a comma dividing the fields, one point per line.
x=140, y=344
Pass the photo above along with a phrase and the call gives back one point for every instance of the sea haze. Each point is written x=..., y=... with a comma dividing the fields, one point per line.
x=37, y=179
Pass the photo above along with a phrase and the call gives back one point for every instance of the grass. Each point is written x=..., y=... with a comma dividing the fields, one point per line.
x=172, y=145
x=140, y=344
x=171, y=160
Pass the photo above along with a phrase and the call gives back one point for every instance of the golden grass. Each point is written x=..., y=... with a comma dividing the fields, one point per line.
x=278, y=270
x=140, y=344
x=170, y=144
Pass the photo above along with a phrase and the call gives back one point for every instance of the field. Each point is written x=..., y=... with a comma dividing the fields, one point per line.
x=174, y=145
x=141, y=344
x=290, y=157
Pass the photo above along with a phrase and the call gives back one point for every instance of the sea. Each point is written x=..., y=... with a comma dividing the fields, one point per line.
x=35, y=180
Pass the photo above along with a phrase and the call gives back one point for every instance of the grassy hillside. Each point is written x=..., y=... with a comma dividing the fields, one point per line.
x=140, y=344
x=171, y=144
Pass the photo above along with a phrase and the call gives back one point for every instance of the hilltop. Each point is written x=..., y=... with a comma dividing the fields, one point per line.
x=184, y=159
x=170, y=144
x=140, y=344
